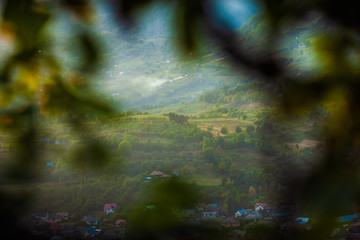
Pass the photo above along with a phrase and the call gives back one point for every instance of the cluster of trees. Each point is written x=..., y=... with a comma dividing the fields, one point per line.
x=223, y=112
x=178, y=118
x=241, y=94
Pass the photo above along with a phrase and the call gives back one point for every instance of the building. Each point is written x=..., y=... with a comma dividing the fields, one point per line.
x=109, y=208
x=261, y=206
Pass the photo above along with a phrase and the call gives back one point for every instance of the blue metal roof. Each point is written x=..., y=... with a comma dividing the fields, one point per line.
x=148, y=178
x=301, y=220
x=241, y=212
x=90, y=230
x=59, y=143
x=213, y=205
x=49, y=164
x=347, y=218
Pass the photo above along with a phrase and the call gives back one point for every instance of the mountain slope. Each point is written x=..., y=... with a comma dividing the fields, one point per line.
x=143, y=67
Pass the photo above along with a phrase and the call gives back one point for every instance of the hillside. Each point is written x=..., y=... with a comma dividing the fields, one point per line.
x=224, y=106
x=226, y=145
x=144, y=69
x=197, y=121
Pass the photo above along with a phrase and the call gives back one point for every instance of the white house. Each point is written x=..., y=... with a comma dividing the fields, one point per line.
x=109, y=208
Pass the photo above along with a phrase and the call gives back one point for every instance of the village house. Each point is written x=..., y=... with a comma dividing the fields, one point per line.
x=89, y=220
x=303, y=223
x=64, y=215
x=109, y=208
x=40, y=217
x=253, y=216
x=240, y=213
x=54, y=219
x=159, y=174
x=261, y=206
x=302, y=220
x=120, y=227
x=209, y=210
x=347, y=220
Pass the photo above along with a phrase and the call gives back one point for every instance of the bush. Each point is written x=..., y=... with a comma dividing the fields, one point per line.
x=224, y=129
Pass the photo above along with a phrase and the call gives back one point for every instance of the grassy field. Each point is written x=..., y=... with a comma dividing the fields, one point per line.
x=304, y=144
x=185, y=109
x=217, y=123
x=204, y=180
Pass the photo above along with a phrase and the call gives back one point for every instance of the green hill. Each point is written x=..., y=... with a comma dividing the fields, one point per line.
x=232, y=147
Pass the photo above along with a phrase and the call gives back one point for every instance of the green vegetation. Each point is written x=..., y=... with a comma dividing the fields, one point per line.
x=223, y=168
x=224, y=145
x=286, y=135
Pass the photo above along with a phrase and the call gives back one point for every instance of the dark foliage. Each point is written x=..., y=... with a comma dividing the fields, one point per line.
x=328, y=189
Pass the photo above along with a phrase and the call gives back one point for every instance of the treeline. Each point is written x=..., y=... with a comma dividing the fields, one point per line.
x=178, y=118
x=241, y=94
x=223, y=112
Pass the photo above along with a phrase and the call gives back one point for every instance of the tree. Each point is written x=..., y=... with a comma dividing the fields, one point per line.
x=252, y=192
x=240, y=139
x=224, y=165
x=238, y=129
x=223, y=181
x=209, y=154
x=206, y=143
x=221, y=142
x=250, y=129
x=180, y=119
x=224, y=129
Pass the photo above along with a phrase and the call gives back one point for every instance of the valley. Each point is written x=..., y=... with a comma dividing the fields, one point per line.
x=186, y=134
